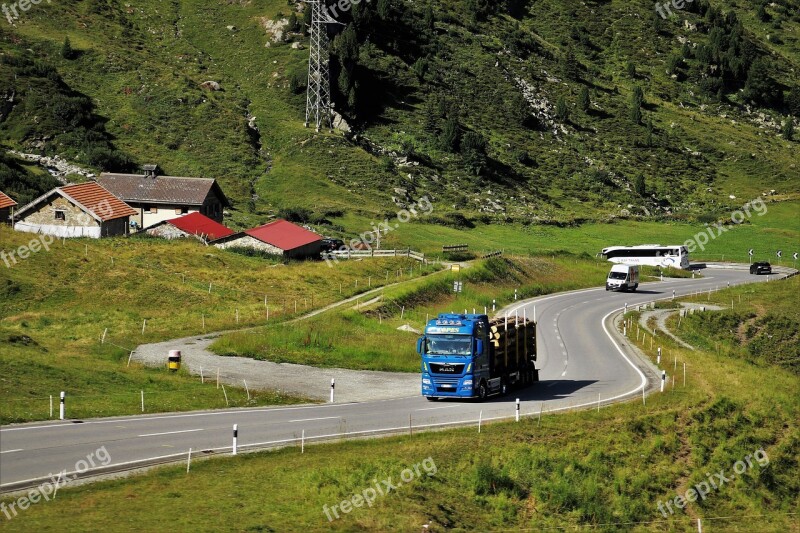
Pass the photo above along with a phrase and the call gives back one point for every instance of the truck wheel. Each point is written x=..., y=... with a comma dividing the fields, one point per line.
x=431, y=398
x=482, y=392
x=635, y=287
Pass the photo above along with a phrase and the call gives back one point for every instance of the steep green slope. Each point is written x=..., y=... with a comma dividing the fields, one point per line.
x=453, y=98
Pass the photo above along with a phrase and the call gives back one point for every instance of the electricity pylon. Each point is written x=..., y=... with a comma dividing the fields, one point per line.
x=318, y=93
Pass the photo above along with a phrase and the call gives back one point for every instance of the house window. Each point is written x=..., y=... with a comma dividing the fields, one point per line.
x=61, y=215
x=150, y=209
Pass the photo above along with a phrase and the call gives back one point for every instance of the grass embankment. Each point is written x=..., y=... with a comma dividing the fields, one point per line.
x=750, y=328
x=606, y=470
x=57, y=305
x=367, y=336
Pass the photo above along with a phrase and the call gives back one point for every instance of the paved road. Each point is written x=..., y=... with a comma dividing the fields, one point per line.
x=580, y=357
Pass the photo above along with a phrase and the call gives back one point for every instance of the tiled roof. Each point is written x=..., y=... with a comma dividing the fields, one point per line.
x=160, y=190
x=98, y=201
x=5, y=201
x=199, y=224
x=283, y=234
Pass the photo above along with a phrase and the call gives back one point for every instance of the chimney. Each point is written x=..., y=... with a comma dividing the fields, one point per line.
x=150, y=171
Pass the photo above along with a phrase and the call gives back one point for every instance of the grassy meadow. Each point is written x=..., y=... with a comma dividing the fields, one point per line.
x=58, y=305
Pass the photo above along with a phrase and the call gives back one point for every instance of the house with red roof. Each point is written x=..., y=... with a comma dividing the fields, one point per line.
x=279, y=237
x=82, y=210
x=6, y=204
x=191, y=225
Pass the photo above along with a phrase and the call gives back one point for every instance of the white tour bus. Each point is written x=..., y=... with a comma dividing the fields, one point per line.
x=676, y=256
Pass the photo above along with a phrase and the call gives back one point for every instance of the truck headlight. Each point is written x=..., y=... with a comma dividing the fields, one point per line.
x=466, y=383
x=426, y=381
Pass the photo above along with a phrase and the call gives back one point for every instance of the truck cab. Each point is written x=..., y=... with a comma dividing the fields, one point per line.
x=461, y=357
x=623, y=278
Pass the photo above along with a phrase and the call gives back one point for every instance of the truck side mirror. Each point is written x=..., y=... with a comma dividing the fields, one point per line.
x=479, y=346
x=420, y=345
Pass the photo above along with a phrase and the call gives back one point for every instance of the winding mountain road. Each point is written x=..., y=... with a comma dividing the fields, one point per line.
x=581, y=356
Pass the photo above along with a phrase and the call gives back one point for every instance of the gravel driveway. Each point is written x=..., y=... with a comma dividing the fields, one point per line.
x=307, y=381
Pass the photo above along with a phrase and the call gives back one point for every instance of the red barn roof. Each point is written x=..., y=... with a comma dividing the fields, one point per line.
x=97, y=201
x=283, y=234
x=199, y=224
x=5, y=201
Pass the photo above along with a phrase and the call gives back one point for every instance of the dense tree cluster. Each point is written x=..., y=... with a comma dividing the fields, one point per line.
x=51, y=112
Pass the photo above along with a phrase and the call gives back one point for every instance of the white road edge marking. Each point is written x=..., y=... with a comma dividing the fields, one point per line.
x=314, y=419
x=170, y=432
x=12, y=451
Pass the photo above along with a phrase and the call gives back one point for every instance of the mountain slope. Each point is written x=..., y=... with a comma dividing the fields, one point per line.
x=456, y=99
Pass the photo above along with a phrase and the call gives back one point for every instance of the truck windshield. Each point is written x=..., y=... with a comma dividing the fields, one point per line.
x=449, y=345
x=617, y=275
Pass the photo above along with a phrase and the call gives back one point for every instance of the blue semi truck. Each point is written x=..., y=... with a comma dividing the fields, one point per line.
x=471, y=356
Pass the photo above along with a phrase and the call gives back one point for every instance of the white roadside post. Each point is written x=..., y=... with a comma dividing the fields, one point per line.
x=663, y=379
x=658, y=359
x=673, y=294
x=333, y=388
x=494, y=305
x=142, y=401
x=480, y=419
x=51, y=406
x=517, y=412
x=62, y=406
x=235, y=438
x=303, y=442
x=189, y=461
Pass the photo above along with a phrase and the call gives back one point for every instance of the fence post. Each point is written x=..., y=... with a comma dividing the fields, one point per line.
x=142, y=401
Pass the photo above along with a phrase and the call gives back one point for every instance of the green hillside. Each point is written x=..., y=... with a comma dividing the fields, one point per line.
x=501, y=111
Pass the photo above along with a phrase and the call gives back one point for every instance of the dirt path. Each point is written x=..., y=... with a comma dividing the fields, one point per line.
x=311, y=382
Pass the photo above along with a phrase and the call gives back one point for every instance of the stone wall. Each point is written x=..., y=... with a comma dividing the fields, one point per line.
x=45, y=215
x=167, y=231
x=246, y=241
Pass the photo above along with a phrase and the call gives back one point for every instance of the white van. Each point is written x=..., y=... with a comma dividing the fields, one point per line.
x=623, y=278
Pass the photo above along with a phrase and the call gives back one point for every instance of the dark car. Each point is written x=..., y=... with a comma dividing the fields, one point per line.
x=761, y=268
x=329, y=245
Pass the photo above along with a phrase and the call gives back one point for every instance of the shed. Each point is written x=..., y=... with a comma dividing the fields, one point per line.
x=279, y=237
x=6, y=205
x=191, y=225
